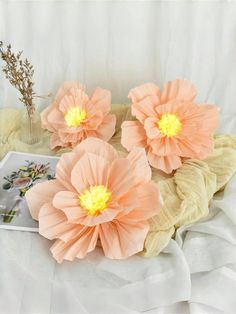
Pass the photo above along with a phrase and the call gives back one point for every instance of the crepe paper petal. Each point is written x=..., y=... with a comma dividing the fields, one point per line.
x=150, y=126
x=72, y=99
x=98, y=195
x=133, y=135
x=101, y=98
x=40, y=194
x=68, y=203
x=90, y=170
x=173, y=128
x=44, y=119
x=54, y=225
x=56, y=119
x=97, y=147
x=142, y=200
x=139, y=165
x=73, y=116
x=55, y=141
x=93, y=121
x=165, y=163
x=78, y=247
x=64, y=168
x=178, y=89
x=120, y=239
x=106, y=128
x=120, y=177
x=139, y=93
x=145, y=108
x=65, y=89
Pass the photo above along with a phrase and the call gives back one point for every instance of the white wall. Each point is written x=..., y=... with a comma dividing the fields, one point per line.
x=120, y=44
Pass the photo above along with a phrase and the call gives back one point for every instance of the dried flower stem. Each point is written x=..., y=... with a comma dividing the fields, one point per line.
x=20, y=74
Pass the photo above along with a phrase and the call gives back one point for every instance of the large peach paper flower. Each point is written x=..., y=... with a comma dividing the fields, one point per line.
x=170, y=126
x=96, y=196
x=73, y=116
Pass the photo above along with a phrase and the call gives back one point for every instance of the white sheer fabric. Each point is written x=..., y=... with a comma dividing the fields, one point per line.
x=118, y=45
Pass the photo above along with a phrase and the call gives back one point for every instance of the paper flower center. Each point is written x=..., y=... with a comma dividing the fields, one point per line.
x=75, y=116
x=95, y=199
x=169, y=124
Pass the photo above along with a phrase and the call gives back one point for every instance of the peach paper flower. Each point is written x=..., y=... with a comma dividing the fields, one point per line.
x=170, y=126
x=73, y=116
x=96, y=196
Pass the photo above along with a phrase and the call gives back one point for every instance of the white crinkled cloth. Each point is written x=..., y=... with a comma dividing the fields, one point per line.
x=199, y=267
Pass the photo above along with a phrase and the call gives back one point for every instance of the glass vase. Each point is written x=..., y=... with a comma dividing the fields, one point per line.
x=30, y=130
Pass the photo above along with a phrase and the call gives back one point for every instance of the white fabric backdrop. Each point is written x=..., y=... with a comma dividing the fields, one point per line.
x=118, y=45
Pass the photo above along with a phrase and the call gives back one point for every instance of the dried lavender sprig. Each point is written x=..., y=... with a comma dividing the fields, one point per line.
x=19, y=72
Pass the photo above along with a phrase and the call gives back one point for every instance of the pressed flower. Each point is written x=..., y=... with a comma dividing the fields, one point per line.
x=73, y=116
x=96, y=196
x=170, y=126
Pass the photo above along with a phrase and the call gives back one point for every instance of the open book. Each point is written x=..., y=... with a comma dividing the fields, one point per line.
x=18, y=173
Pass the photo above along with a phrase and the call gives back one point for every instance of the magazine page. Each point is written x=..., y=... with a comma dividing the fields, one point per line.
x=18, y=173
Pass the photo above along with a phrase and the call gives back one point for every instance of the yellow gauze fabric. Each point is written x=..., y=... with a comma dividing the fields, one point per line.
x=186, y=194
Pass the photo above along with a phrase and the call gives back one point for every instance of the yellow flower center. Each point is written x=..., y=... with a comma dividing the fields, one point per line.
x=169, y=124
x=75, y=116
x=95, y=199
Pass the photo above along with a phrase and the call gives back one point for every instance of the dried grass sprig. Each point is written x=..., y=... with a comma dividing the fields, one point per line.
x=20, y=73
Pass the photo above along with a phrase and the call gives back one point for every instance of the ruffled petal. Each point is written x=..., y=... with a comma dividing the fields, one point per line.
x=56, y=119
x=89, y=170
x=200, y=146
x=103, y=217
x=139, y=93
x=146, y=200
x=71, y=136
x=173, y=106
x=65, y=89
x=164, y=163
x=93, y=122
x=65, y=199
x=78, y=247
x=145, y=108
x=139, y=165
x=40, y=194
x=64, y=168
x=55, y=141
x=179, y=89
x=121, y=239
x=121, y=178
x=44, y=119
x=98, y=147
x=76, y=97
x=205, y=117
x=106, y=129
x=53, y=224
x=101, y=99
x=133, y=135
x=165, y=146
x=152, y=129
x=68, y=203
